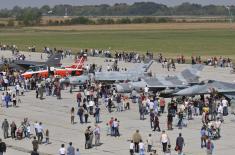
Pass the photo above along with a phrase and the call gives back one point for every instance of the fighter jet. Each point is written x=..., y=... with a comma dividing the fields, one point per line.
x=224, y=88
x=112, y=76
x=75, y=80
x=167, y=84
x=139, y=71
x=53, y=61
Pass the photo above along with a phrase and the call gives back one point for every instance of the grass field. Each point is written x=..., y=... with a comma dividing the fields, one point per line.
x=172, y=40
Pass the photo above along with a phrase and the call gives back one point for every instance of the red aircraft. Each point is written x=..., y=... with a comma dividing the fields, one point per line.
x=43, y=71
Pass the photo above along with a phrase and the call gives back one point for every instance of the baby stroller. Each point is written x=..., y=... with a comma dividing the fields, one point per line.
x=19, y=134
x=213, y=133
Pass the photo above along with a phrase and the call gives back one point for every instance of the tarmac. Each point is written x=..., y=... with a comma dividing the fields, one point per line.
x=55, y=116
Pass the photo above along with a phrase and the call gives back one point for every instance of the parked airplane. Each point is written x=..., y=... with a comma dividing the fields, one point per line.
x=53, y=60
x=166, y=84
x=45, y=71
x=224, y=88
x=139, y=71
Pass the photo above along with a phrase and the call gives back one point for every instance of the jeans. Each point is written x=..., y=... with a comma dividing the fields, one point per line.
x=97, y=118
x=40, y=137
x=180, y=123
x=81, y=118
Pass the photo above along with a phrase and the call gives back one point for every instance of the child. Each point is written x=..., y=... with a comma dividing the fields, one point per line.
x=132, y=145
x=77, y=152
x=107, y=128
x=14, y=100
x=28, y=131
x=3, y=100
x=47, y=136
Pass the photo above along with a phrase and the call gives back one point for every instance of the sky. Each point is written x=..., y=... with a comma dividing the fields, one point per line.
x=23, y=3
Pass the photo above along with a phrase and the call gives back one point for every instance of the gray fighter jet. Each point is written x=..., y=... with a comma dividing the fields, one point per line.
x=224, y=88
x=75, y=80
x=167, y=84
x=139, y=71
x=53, y=61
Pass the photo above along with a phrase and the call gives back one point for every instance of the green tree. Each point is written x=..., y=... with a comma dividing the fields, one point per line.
x=11, y=23
x=30, y=16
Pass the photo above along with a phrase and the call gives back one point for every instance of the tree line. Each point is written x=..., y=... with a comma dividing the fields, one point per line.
x=32, y=16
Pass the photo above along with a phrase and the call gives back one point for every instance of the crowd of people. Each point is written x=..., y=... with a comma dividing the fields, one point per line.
x=93, y=95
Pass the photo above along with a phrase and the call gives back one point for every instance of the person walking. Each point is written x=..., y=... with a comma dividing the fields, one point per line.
x=169, y=121
x=5, y=127
x=62, y=150
x=150, y=143
x=151, y=116
x=97, y=114
x=203, y=136
x=164, y=140
x=136, y=139
x=34, y=152
x=79, y=99
x=156, y=124
x=88, y=138
x=13, y=130
x=7, y=99
x=3, y=147
x=97, y=135
x=35, y=144
x=80, y=114
x=86, y=115
x=180, y=144
x=132, y=145
x=209, y=147
x=70, y=149
x=77, y=151
x=141, y=147
x=40, y=133
x=47, y=136
x=72, y=115
x=14, y=100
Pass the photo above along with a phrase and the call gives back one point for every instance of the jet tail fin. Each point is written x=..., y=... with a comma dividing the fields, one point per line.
x=142, y=67
x=80, y=62
x=147, y=66
x=54, y=60
x=191, y=75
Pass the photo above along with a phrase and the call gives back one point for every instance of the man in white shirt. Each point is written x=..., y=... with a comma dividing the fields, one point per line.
x=220, y=112
x=62, y=150
x=164, y=140
x=40, y=132
x=146, y=90
x=36, y=124
x=225, y=106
